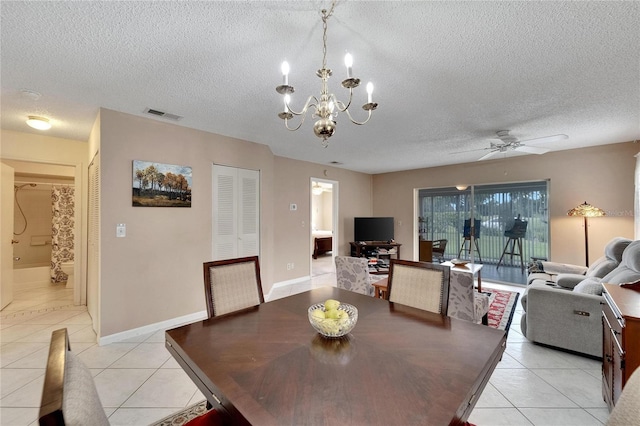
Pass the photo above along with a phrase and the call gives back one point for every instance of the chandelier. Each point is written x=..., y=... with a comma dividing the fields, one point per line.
x=327, y=106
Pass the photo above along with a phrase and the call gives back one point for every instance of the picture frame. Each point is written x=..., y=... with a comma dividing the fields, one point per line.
x=161, y=185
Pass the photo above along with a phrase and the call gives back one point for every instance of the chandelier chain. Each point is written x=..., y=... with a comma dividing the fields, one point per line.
x=325, y=15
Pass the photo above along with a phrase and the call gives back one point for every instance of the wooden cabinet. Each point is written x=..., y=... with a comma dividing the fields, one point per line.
x=358, y=249
x=426, y=251
x=620, y=339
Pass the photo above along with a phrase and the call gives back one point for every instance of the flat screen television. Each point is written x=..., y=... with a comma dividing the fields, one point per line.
x=373, y=229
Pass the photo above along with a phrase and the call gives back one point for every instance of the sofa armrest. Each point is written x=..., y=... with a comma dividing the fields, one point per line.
x=563, y=318
x=555, y=268
x=569, y=280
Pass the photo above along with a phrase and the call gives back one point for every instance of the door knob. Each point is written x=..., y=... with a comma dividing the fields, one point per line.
x=14, y=241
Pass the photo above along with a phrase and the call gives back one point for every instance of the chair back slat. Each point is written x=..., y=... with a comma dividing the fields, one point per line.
x=232, y=284
x=420, y=285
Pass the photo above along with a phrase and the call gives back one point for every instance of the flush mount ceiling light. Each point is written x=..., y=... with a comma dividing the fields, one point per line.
x=39, y=123
x=316, y=189
x=328, y=106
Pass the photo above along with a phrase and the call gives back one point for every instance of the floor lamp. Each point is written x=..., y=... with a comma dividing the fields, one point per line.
x=585, y=211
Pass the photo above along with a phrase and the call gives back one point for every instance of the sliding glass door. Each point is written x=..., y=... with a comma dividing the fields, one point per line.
x=495, y=208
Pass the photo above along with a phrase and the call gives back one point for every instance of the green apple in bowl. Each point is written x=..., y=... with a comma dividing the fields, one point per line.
x=330, y=304
x=318, y=313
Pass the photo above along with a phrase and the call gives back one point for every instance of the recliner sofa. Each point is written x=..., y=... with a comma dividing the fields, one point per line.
x=570, y=317
x=566, y=275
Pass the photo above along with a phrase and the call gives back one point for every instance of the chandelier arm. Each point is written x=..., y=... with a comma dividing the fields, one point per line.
x=302, y=113
x=293, y=129
x=340, y=105
x=307, y=104
x=359, y=123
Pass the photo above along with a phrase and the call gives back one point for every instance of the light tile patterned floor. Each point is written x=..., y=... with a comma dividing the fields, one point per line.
x=139, y=382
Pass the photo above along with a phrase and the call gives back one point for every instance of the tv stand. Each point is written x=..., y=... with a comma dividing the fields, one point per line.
x=371, y=248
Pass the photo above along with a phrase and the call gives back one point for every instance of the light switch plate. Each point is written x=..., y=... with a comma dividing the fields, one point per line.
x=121, y=230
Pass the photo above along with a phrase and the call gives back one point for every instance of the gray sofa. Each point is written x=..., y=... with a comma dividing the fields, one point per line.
x=570, y=275
x=570, y=317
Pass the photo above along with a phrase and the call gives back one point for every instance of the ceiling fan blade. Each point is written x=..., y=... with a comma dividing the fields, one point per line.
x=553, y=138
x=531, y=149
x=489, y=155
x=469, y=150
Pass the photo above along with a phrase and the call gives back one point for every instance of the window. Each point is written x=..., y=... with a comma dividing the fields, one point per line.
x=442, y=212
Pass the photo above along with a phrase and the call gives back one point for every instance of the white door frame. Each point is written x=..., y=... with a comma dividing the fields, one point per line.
x=79, y=244
x=334, y=218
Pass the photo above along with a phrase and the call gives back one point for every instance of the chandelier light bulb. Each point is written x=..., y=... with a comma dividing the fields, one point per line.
x=348, y=61
x=369, y=91
x=39, y=123
x=285, y=73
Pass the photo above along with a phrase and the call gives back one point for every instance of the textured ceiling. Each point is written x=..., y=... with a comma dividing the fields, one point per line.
x=447, y=74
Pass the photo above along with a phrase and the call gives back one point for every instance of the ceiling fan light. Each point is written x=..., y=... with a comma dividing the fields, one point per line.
x=38, y=123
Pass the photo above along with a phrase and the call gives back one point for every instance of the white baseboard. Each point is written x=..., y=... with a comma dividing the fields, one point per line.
x=152, y=328
x=286, y=283
x=177, y=322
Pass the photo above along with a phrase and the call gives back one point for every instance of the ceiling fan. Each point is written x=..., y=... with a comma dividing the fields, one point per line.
x=511, y=143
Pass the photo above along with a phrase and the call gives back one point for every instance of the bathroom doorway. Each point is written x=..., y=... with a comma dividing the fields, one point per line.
x=42, y=238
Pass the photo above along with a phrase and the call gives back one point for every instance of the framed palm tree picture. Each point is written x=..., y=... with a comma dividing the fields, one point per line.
x=160, y=185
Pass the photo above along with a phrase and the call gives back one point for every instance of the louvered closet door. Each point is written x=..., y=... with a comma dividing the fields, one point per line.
x=236, y=212
x=93, y=255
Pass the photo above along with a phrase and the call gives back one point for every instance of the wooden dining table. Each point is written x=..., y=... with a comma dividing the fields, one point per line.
x=399, y=366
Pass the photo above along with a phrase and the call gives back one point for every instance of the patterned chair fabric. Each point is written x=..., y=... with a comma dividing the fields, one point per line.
x=232, y=284
x=352, y=273
x=420, y=285
x=465, y=302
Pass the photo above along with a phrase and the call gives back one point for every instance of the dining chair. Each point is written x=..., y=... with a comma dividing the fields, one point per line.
x=439, y=246
x=70, y=397
x=232, y=284
x=352, y=273
x=422, y=285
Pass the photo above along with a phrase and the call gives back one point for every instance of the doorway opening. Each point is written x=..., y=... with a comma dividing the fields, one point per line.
x=324, y=221
x=44, y=236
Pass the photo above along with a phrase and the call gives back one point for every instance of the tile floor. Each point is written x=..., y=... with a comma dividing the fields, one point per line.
x=139, y=382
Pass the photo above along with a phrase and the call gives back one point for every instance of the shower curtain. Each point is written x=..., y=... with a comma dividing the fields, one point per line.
x=62, y=205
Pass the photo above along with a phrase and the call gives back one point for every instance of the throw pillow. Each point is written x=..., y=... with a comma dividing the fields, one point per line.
x=589, y=286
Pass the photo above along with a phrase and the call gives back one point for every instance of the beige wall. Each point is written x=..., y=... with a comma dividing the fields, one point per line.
x=155, y=272
x=159, y=263
x=603, y=176
x=293, y=228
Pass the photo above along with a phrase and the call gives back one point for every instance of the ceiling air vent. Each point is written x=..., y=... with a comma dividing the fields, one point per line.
x=162, y=114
